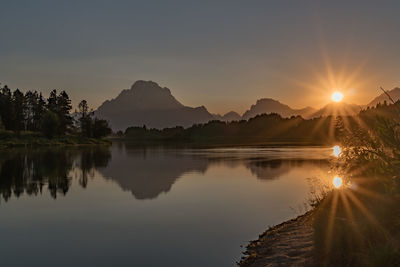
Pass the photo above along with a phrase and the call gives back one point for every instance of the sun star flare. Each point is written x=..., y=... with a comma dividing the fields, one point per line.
x=337, y=96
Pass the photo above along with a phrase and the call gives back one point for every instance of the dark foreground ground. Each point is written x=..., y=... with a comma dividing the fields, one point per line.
x=287, y=244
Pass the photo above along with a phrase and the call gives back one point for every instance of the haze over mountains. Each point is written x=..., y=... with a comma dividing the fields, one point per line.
x=146, y=103
x=269, y=105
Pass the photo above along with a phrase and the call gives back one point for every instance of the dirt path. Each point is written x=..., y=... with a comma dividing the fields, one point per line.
x=287, y=244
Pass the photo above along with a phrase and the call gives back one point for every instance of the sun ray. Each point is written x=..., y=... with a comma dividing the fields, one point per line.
x=365, y=211
x=349, y=213
x=331, y=220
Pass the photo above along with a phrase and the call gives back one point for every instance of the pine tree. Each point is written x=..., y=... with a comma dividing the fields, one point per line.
x=85, y=119
x=39, y=111
x=64, y=108
x=18, y=101
x=6, y=107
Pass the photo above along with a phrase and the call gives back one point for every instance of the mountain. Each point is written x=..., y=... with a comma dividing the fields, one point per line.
x=146, y=103
x=337, y=109
x=231, y=116
x=394, y=94
x=269, y=105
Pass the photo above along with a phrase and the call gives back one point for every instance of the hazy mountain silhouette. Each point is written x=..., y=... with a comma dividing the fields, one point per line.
x=338, y=109
x=146, y=103
x=269, y=105
x=394, y=93
x=231, y=116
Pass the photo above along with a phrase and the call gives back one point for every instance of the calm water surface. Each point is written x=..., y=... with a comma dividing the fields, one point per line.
x=132, y=206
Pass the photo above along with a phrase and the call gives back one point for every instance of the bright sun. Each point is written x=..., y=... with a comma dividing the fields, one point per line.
x=337, y=96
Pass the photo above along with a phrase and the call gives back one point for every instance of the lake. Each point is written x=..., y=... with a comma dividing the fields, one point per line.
x=149, y=206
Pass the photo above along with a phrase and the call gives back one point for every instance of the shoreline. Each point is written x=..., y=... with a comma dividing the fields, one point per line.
x=289, y=243
x=40, y=141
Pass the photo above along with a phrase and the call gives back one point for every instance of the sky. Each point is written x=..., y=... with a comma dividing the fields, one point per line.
x=221, y=54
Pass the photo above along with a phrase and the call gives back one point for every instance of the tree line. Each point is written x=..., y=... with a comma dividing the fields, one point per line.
x=52, y=116
x=264, y=128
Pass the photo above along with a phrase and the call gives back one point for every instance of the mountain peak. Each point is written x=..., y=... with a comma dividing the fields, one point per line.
x=268, y=105
x=146, y=85
x=267, y=100
x=144, y=95
x=147, y=103
x=231, y=116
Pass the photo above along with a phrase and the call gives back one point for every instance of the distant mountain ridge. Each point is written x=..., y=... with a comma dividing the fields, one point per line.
x=337, y=109
x=269, y=105
x=147, y=103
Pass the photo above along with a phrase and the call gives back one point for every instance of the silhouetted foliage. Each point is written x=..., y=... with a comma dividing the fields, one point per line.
x=52, y=117
x=91, y=127
x=100, y=128
x=262, y=128
x=50, y=124
x=364, y=225
x=64, y=108
x=18, y=114
x=374, y=141
x=85, y=118
x=6, y=107
x=35, y=107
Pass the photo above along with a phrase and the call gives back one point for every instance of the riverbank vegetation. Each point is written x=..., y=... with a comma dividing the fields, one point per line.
x=30, y=119
x=358, y=224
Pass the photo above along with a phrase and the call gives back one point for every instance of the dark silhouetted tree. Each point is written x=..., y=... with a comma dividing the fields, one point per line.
x=18, y=101
x=6, y=107
x=52, y=102
x=85, y=119
x=50, y=124
x=63, y=111
x=100, y=128
x=39, y=110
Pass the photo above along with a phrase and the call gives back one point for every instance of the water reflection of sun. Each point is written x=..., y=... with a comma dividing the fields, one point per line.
x=337, y=182
x=336, y=151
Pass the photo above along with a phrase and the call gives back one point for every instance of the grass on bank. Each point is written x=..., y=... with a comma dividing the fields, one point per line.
x=358, y=226
x=26, y=138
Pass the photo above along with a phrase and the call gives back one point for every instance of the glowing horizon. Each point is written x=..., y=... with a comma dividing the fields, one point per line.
x=226, y=67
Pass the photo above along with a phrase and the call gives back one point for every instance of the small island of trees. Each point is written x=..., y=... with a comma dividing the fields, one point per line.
x=31, y=118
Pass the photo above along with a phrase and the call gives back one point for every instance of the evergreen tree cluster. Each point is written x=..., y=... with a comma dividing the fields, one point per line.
x=51, y=116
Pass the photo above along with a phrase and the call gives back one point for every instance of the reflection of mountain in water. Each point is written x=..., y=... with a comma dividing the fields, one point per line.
x=149, y=172
x=275, y=168
x=145, y=172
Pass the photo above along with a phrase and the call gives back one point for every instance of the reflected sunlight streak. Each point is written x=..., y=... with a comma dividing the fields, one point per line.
x=336, y=151
x=337, y=182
